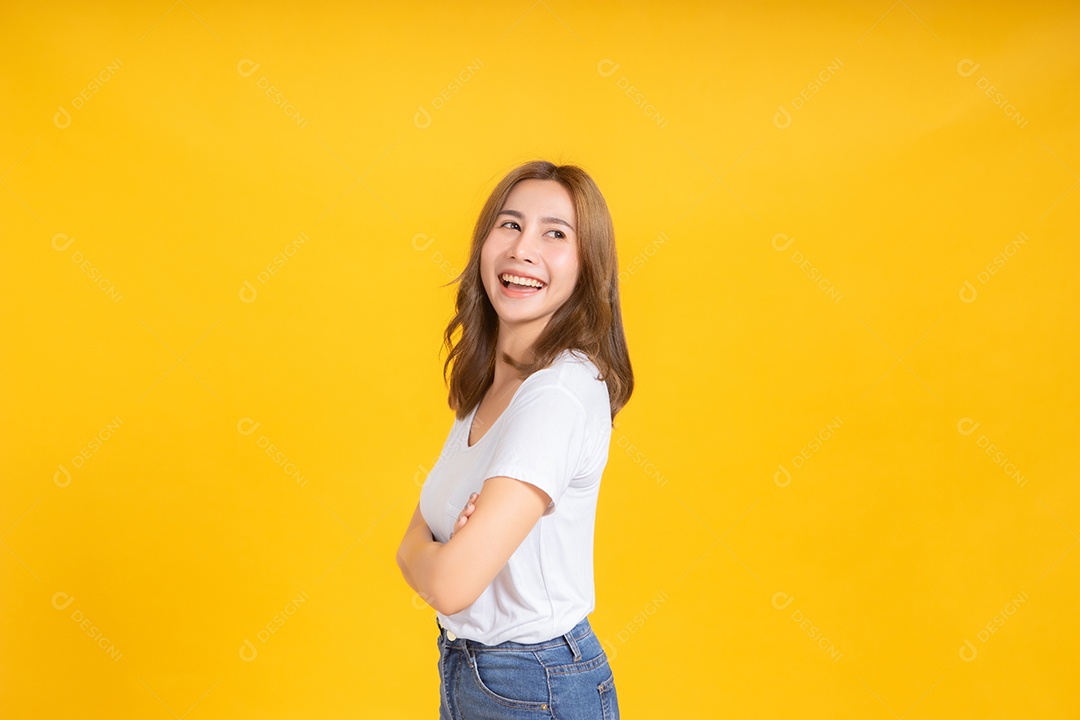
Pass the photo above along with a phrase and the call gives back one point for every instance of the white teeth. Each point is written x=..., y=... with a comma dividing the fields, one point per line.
x=521, y=280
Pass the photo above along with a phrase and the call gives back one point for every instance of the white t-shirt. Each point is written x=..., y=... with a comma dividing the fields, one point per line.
x=554, y=434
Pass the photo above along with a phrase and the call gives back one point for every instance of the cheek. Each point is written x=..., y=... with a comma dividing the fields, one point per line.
x=492, y=249
x=487, y=259
x=567, y=266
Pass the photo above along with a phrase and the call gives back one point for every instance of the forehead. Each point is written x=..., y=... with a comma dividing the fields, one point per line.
x=541, y=196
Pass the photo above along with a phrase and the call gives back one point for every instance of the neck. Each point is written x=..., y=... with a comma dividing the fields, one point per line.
x=516, y=341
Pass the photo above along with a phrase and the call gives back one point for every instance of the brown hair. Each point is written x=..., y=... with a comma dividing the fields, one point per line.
x=590, y=320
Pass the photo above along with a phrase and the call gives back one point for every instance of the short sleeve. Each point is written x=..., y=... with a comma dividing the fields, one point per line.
x=541, y=441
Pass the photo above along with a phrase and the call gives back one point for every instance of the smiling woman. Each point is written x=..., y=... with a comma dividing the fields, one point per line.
x=501, y=541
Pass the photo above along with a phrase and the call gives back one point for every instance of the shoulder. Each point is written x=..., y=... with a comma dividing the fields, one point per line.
x=574, y=372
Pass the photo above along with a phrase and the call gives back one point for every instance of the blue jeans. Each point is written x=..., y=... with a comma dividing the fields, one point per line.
x=565, y=678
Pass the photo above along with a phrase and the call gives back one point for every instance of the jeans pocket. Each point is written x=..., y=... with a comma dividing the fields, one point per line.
x=589, y=662
x=584, y=689
x=609, y=700
x=513, y=679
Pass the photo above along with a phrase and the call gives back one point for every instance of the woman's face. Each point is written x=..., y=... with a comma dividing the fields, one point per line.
x=534, y=239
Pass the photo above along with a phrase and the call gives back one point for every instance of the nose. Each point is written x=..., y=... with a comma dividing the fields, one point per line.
x=523, y=247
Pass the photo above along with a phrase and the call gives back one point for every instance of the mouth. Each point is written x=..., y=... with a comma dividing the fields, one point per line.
x=519, y=286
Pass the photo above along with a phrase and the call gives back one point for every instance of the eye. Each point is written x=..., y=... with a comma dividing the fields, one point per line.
x=511, y=222
x=560, y=234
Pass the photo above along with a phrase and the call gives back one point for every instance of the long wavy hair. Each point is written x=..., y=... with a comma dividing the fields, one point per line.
x=589, y=321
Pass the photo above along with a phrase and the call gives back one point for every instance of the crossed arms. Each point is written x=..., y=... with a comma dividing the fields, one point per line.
x=450, y=576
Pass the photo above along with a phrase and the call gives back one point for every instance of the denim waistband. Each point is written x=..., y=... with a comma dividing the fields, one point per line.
x=570, y=638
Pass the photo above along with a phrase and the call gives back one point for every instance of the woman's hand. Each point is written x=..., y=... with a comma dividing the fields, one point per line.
x=465, y=513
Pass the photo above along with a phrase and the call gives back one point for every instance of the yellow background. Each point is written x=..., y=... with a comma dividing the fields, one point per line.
x=847, y=236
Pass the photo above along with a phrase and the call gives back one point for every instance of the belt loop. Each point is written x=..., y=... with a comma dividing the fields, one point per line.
x=569, y=637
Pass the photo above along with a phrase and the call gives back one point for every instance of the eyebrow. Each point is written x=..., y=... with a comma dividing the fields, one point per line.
x=520, y=216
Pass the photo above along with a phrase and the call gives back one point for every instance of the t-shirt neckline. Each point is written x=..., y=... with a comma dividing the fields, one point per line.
x=472, y=413
x=465, y=446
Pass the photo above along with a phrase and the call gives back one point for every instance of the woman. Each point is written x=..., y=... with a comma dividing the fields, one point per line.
x=501, y=542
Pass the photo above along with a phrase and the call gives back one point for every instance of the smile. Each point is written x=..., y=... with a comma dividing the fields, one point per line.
x=518, y=281
x=517, y=286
